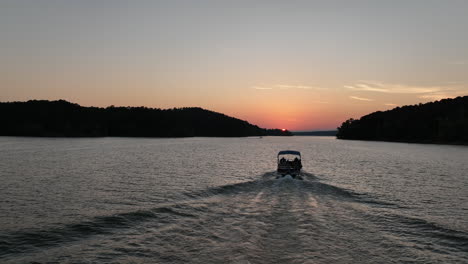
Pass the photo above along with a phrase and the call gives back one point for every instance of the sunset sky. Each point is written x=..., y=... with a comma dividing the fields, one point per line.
x=300, y=65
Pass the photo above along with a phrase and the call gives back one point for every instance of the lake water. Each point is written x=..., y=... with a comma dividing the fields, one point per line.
x=217, y=200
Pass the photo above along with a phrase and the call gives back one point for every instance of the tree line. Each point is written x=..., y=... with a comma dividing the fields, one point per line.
x=444, y=121
x=64, y=119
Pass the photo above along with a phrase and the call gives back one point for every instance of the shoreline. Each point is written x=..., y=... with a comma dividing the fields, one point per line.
x=428, y=142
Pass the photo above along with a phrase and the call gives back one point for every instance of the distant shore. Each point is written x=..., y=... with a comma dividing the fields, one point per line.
x=439, y=122
x=41, y=118
x=412, y=142
x=329, y=133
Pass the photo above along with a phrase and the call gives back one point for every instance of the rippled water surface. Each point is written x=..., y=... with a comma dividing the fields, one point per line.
x=216, y=200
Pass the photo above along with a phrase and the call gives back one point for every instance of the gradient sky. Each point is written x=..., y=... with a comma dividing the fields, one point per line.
x=300, y=65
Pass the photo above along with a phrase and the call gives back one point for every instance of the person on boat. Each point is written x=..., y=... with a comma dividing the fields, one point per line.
x=282, y=160
x=297, y=164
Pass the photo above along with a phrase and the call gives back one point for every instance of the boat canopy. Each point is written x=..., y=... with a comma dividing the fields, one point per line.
x=291, y=152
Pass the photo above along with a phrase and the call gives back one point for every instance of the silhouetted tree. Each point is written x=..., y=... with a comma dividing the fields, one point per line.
x=444, y=121
x=64, y=119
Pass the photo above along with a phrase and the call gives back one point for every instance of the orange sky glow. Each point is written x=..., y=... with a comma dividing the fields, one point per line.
x=304, y=66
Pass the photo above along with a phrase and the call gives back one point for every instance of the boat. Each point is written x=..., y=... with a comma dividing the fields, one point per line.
x=289, y=163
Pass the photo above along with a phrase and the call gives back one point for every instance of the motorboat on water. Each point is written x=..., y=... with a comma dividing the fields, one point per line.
x=289, y=163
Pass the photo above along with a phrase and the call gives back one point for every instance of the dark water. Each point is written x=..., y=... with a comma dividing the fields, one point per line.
x=211, y=200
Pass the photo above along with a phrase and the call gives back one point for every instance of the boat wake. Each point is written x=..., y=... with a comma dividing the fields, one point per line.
x=267, y=220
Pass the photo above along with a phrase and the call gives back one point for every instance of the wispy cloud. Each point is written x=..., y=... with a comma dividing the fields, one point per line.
x=461, y=91
x=286, y=86
x=433, y=92
x=373, y=86
x=366, y=87
x=390, y=104
x=437, y=96
x=360, y=98
x=261, y=88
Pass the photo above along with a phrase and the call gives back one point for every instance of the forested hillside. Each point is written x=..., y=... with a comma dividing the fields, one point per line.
x=65, y=119
x=444, y=121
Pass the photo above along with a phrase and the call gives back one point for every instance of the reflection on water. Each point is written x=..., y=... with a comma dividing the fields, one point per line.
x=213, y=200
